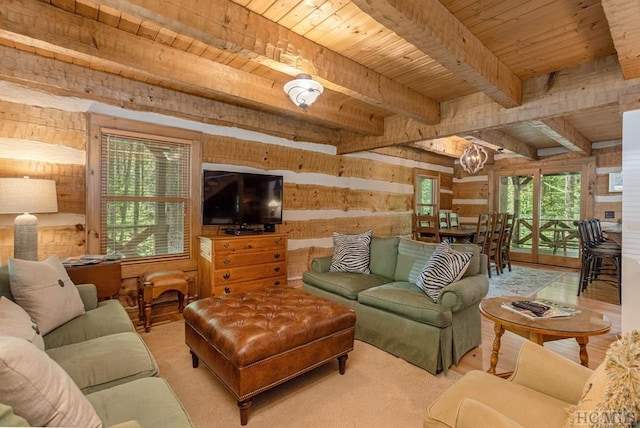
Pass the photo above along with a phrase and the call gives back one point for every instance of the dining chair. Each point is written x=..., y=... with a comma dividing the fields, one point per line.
x=482, y=228
x=443, y=219
x=454, y=219
x=425, y=228
x=505, y=241
x=492, y=246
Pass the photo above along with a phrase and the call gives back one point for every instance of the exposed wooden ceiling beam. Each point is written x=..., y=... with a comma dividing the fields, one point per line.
x=68, y=80
x=623, y=17
x=565, y=134
x=500, y=139
x=448, y=146
x=51, y=29
x=429, y=26
x=476, y=112
x=233, y=28
x=415, y=154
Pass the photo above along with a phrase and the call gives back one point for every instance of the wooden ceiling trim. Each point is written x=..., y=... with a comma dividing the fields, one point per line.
x=623, y=17
x=70, y=80
x=500, y=139
x=443, y=37
x=544, y=97
x=565, y=134
x=233, y=28
x=55, y=30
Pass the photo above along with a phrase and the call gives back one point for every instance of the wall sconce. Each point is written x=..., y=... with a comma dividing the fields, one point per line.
x=25, y=196
x=303, y=91
x=473, y=158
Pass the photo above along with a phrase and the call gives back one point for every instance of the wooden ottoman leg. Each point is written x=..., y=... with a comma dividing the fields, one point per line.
x=194, y=360
x=244, y=410
x=342, y=363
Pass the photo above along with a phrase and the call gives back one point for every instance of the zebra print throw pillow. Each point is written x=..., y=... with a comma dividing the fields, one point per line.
x=445, y=266
x=351, y=253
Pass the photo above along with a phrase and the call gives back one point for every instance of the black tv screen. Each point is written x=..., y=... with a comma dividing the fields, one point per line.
x=237, y=198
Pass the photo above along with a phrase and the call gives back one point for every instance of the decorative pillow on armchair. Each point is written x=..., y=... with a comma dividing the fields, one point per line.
x=351, y=253
x=45, y=291
x=444, y=267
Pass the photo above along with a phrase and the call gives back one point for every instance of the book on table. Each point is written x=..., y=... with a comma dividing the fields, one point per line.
x=540, y=309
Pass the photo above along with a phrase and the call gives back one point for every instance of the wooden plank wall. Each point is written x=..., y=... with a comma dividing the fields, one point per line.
x=323, y=193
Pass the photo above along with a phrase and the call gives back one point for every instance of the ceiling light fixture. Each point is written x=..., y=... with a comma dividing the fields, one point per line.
x=473, y=158
x=303, y=91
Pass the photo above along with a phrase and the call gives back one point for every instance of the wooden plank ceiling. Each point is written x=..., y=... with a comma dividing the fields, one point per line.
x=519, y=75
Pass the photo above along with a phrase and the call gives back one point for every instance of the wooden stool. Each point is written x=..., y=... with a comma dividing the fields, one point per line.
x=152, y=285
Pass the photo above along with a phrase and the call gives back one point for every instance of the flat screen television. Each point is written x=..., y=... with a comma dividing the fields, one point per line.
x=241, y=199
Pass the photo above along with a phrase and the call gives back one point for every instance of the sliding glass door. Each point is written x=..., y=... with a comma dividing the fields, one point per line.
x=545, y=202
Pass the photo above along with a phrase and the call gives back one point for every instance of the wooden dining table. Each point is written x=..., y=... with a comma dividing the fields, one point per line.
x=458, y=234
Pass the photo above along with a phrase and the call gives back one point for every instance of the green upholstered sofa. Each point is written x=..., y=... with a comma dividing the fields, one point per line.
x=394, y=314
x=108, y=361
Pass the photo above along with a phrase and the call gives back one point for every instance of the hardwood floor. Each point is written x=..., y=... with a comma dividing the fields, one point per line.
x=600, y=296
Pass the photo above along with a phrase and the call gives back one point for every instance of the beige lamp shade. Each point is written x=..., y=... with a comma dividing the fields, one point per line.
x=25, y=196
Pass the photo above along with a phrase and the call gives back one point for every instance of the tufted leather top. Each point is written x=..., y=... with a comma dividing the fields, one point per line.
x=251, y=326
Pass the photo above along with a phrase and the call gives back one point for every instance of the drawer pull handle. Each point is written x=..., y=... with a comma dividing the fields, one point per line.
x=226, y=244
x=277, y=241
x=276, y=283
x=227, y=290
x=249, y=246
x=276, y=255
x=226, y=261
x=226, y=275
x=276, y=269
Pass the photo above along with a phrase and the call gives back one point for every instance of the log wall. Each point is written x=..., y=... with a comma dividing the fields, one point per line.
x=44, y=135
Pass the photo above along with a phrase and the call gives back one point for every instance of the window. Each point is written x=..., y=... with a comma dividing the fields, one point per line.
x=146, y=197
x=426, y=193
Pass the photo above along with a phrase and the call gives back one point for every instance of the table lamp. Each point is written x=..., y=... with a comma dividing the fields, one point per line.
x=26, y=196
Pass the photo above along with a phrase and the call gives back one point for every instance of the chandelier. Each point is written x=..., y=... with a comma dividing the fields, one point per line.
x=473, y=158
x=303, y=91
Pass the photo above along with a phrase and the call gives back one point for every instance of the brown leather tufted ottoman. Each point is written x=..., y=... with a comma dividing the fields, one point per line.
x=255, y=340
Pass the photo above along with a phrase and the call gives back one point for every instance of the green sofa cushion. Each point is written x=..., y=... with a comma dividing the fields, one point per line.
x=10, y=419
x=150, y=401
x=108, y=318
x=105, y=361
x=384, y=251
x=345, y=284
x=408, y=301
x=413, y=255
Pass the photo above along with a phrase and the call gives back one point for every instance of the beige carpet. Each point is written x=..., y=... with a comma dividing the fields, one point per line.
x=377, y=390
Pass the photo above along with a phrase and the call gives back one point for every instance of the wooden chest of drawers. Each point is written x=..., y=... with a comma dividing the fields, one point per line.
x=229, y=264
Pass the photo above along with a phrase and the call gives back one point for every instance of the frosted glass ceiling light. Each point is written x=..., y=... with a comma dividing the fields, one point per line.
x=303, y=91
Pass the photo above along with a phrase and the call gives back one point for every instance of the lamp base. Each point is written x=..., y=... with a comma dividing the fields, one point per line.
x=25, y=241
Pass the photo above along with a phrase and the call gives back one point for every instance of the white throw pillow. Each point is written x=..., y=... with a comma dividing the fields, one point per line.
x=444, y=267
x=15, y=322
x=351, y=253
x=39, y=390
x=45, y=291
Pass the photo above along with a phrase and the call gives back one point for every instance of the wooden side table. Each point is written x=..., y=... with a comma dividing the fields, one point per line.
x=579, y=326
x=106, y=276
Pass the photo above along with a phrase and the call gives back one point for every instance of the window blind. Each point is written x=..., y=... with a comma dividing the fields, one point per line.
x=145, y=195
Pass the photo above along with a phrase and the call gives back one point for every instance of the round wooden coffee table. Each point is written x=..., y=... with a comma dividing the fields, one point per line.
x=578, y=326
